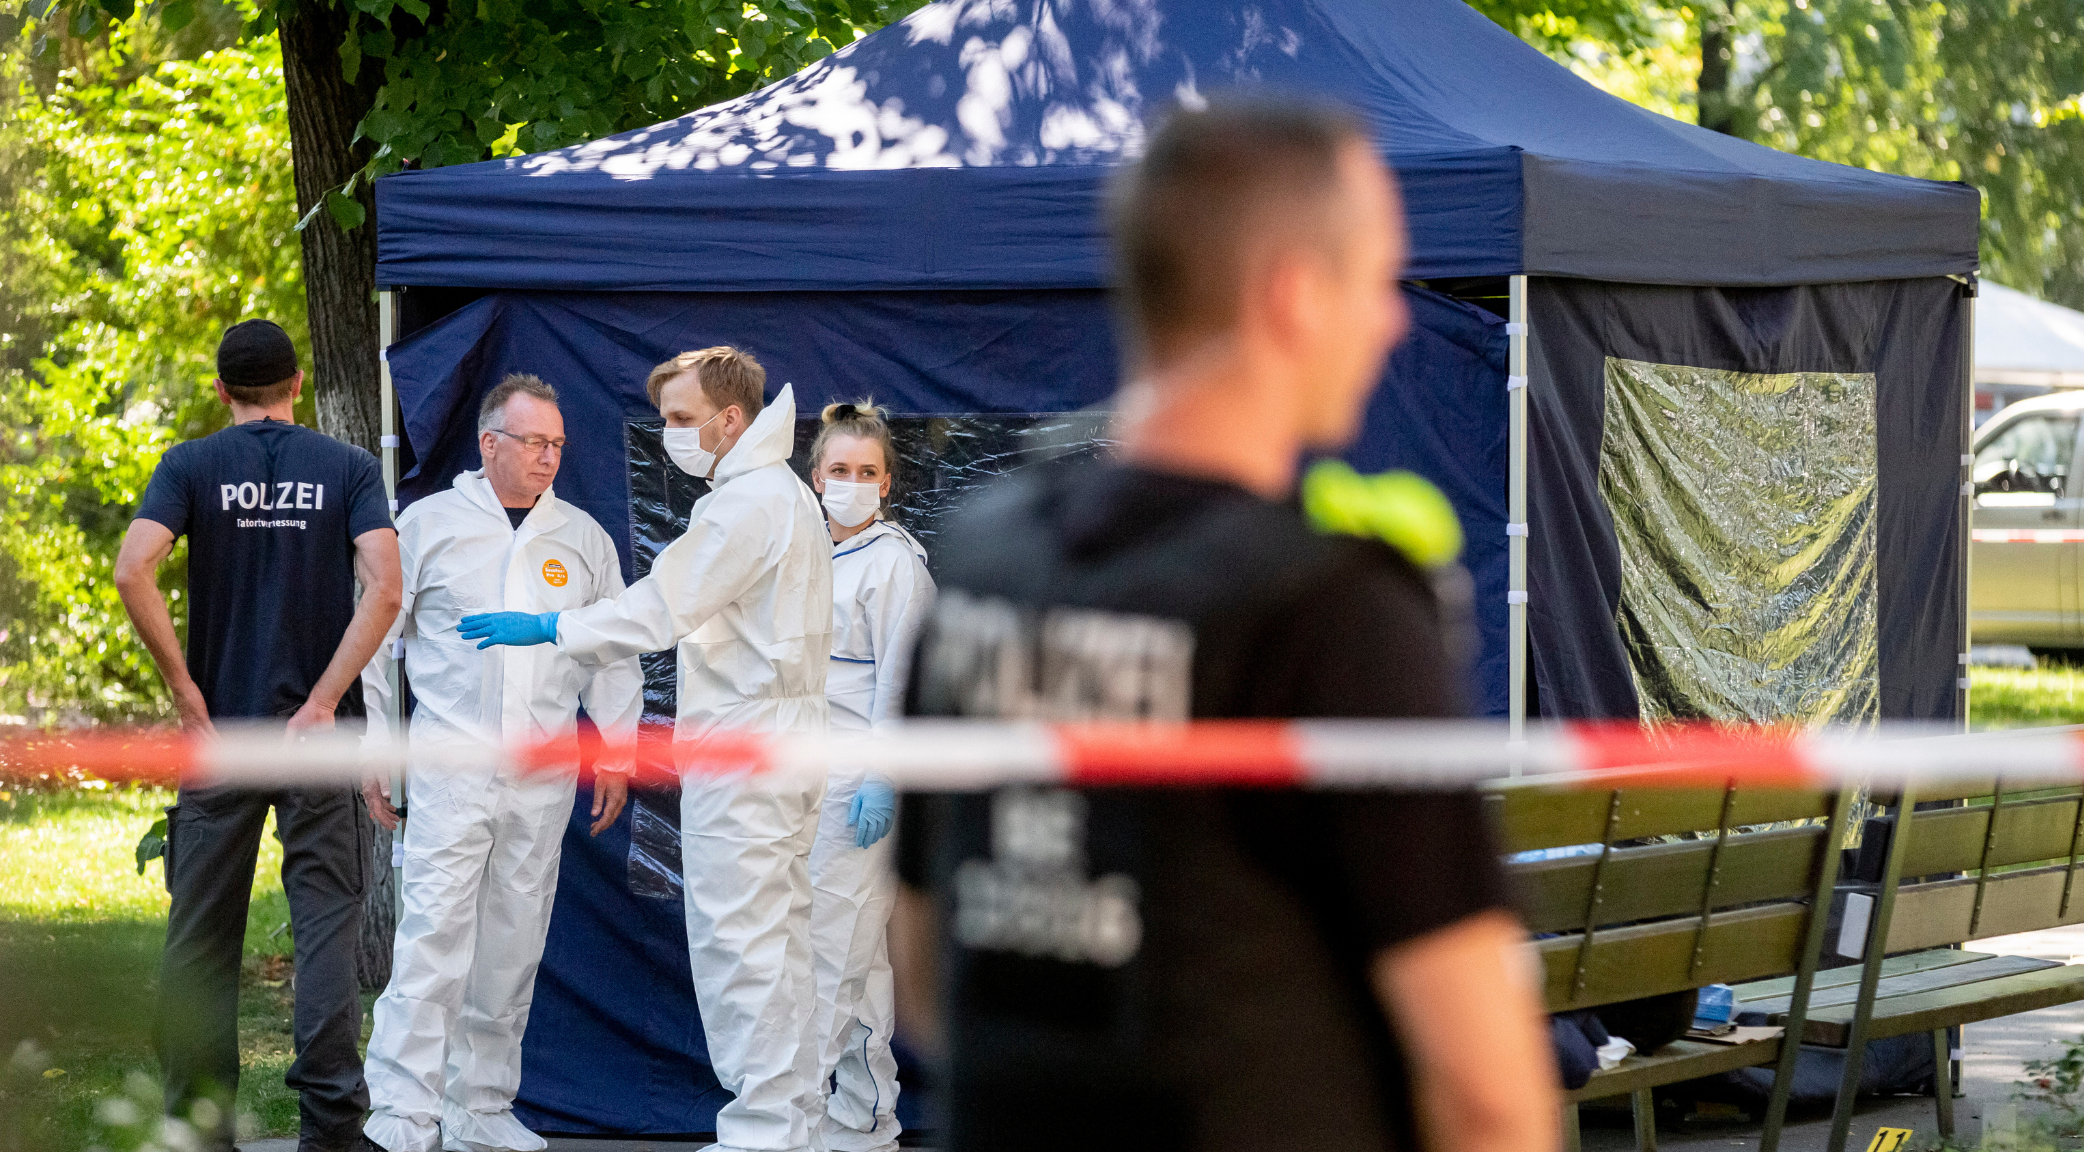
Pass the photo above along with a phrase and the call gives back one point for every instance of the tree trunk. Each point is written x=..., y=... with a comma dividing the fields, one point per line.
x=379, y=907
x=339, y=265
x=1717, y=109
x=340, y=298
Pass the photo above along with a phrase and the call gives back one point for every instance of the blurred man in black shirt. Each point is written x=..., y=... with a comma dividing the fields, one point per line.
x=1158, y=969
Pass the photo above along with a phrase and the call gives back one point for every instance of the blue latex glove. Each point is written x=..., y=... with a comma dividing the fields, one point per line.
x=873, y=811
x=520, y=629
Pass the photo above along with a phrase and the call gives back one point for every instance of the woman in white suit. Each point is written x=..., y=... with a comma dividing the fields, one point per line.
x=881, y=594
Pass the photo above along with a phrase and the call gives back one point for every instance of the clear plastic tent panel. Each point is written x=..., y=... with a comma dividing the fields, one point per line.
x=942, y=461
x=1744, y=506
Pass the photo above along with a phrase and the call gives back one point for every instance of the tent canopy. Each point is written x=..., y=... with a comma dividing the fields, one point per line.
x=2023, y=340
x=914, y=219
x=966, y=147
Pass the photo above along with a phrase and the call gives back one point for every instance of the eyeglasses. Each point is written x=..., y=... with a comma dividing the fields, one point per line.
x=533, y=443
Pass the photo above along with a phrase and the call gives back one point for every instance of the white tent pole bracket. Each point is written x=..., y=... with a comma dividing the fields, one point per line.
x=1966, y=527
x=1516, y=507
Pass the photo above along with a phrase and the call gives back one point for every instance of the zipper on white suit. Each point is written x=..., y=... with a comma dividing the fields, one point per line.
x=510, y=593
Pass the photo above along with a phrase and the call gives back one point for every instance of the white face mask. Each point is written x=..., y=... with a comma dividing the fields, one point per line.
x=849, y=503
x=684, y=445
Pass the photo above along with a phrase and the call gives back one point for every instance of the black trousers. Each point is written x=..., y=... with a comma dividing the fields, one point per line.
x=213, y=838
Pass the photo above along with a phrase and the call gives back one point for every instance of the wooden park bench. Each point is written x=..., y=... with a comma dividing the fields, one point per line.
x=2004, y=863
x=1638, y=920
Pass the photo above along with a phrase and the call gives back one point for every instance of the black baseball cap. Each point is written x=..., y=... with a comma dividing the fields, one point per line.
x=255, y=354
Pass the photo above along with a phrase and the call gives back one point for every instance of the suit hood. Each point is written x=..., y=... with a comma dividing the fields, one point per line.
x=770, y=440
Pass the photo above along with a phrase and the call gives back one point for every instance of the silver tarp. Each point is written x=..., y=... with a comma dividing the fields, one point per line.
x=1744, y=505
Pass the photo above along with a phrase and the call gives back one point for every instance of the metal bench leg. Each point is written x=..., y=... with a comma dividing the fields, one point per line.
x=1870, y=972
x=1643, y=1102
x=1783, y=1086
x=1943, y=1081
x=1796, y=1025
x=1572, y=1142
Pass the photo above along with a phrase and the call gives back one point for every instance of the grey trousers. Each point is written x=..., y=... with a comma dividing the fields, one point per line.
x=213, y=838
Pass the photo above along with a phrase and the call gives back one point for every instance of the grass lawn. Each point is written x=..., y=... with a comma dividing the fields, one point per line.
x=80, y=936
x=2021, y=698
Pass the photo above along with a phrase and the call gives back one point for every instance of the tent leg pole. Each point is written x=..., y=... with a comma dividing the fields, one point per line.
x=1516, y=513
x=386, y=313
x=1967, y=525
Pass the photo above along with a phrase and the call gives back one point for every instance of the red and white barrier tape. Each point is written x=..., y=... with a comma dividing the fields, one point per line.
x=969, y=755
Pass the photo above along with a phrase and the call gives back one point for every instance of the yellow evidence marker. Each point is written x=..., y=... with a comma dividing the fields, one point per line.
x=1890, y=1139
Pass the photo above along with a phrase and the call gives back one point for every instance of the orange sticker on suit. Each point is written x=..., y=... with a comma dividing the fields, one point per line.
x=554, y=574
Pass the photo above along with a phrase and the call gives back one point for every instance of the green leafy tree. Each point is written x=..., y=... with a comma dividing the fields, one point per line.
x=148, y=198
x=372, y=85
x=1983, y=91
x=1561, y=27
x=143, y=214
x=512, y=76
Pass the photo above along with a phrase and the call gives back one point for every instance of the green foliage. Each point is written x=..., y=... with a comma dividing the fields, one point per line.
x=1983, y=91
x=2018, y=99
x=152, y=845
x=1852, y=83
x=145, y=213
x=1559, y=26
x=487, y=78
x=2058, y=1082
x=146, y=201
x=468, y=80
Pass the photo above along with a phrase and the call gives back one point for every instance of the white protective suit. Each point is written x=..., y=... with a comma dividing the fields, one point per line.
x=481, y=843
x=745, y=595
x=881, y=596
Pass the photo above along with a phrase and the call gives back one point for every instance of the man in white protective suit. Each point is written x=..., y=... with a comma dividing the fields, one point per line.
x=746, y=596
x=482, y=841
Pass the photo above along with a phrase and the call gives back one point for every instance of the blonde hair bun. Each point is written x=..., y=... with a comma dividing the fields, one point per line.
x=850, y=410
x=859, y=418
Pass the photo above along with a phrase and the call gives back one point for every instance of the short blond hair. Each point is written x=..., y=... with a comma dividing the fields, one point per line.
x=727, y=376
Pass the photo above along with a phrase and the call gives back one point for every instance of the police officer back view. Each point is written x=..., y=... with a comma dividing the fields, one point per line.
x=1203, y=968
x=282, y=523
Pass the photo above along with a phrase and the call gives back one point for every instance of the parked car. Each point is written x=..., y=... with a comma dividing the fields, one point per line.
x=2028, y=526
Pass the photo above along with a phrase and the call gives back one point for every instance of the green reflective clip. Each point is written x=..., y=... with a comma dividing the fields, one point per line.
x=1401, y=509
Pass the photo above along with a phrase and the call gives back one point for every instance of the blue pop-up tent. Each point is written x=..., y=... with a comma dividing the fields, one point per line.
x=915, y=217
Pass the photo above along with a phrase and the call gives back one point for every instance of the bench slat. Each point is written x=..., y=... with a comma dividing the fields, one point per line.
x=1784, y=986
x=1966, y=787
x=1947, y=1007
x=1904, y=984
x=1951, y=839
x=1651, y=959
x=1943, y=911
x=1531, y=816
x=1676, y=1061
x=1668, y=879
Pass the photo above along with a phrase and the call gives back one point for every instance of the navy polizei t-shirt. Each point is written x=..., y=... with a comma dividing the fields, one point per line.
x=271, y=512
